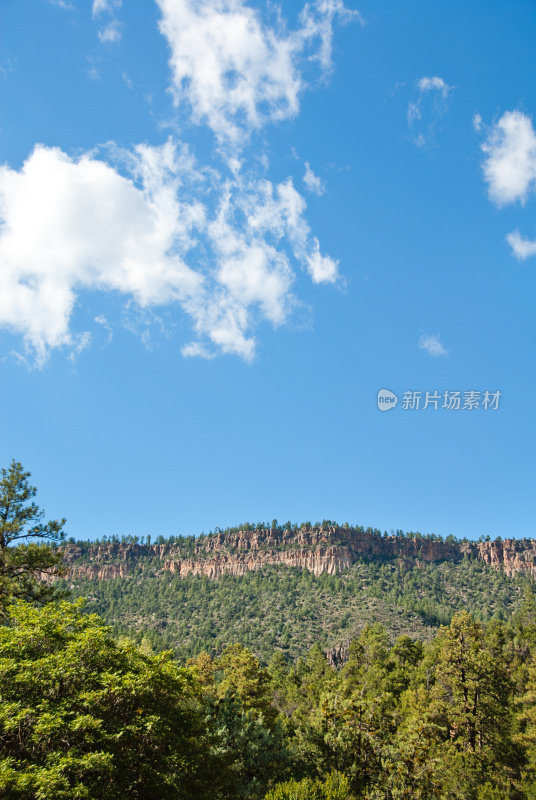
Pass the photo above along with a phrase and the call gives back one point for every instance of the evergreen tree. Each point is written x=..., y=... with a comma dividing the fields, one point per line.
x=86, y=718
x=26, y=554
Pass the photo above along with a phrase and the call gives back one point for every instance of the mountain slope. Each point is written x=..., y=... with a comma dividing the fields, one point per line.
x=290, y=589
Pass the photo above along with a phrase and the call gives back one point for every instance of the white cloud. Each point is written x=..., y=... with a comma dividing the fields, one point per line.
x=100, y=319
x=81, y=343
x=510, y=166
x=510, y=169
x=434, y=84
x=322, y=269
x=196, y=350
x=152, y=225
x=425, y=112
x=157, y=238
x=62, y=4
x=69, y=225
x=414, y=113
x=234, y=71
x=523, y=248
x=257, y=228
x=312, y=181
x=111, y=33
x=432, y=345
x=101, y=6
x=477, y=121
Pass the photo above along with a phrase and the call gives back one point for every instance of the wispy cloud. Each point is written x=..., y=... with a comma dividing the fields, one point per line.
x=100, y=319
x=62, y=4
x=510, y=169
x=434, y=84
x=237, y=72
x=102, y=6
x=425, y=112
x=223, y=243
x=111, y=33
x=432, y=345
x=155, y=236
x=5, y=68
x=196, y=350
x=313, y=183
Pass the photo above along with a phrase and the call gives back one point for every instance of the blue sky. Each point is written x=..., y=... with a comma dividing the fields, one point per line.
x=226, y=226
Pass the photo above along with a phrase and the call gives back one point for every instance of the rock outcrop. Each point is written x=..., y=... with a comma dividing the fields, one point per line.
x=318, y=549
x=337, y=656
x=510, y=555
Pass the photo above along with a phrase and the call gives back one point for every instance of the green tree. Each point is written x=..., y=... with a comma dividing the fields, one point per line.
x=26, y=554
x=472, y=688
x=335, y=787
x=84, y=717
x=254, y=753
x=526, y=735
x=466, y=713
x=243, y=677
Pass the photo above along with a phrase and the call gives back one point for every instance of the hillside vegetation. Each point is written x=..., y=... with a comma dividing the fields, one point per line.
x=86, y=715
x=290, y=609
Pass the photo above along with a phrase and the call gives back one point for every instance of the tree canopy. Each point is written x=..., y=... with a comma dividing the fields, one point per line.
x=85, y=716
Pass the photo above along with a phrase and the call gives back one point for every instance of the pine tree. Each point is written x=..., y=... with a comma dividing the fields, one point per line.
x=27, y=554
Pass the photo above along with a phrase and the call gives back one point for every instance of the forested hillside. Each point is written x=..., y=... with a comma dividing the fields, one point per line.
x=290, y=608
x=86, y=716
x=446, y=712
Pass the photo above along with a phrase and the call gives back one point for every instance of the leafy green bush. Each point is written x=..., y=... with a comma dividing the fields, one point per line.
x=335, y=787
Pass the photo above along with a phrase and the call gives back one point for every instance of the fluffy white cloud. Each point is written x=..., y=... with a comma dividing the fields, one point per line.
x=157, y=238
x=68, y=225
x=322, y=269
x=154, y=226
x=432, y=345
x=312, y=181
x=510, y=166
x=523, y=248
x=237, y=72
x=510, y=169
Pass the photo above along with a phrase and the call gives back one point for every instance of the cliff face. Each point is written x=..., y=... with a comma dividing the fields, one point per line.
x=315, y=549
x=510, y=555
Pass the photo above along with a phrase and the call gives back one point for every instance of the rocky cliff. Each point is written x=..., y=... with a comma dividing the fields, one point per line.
x=510, y=555
x=319, y=549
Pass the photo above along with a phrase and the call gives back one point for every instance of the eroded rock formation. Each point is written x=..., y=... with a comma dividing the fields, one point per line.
x=319, y=549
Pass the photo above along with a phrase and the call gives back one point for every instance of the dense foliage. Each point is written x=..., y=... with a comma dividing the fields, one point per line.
x=86, y=716
x=83, y=716
x=291, y=609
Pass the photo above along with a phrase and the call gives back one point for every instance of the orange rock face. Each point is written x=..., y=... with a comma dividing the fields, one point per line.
x=510, y=555
x=315, y=549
